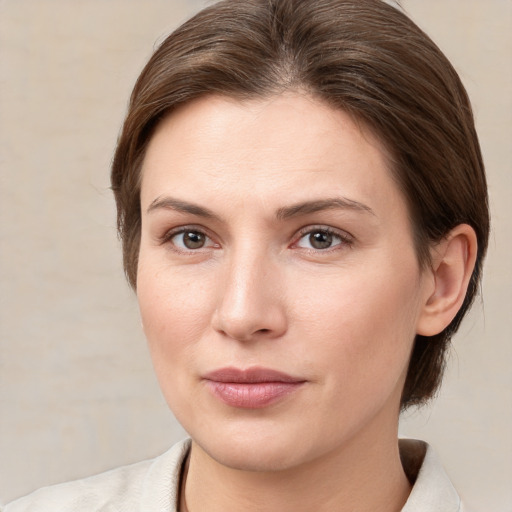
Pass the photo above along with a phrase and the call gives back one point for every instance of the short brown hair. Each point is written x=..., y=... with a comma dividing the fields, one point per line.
x=362, y=56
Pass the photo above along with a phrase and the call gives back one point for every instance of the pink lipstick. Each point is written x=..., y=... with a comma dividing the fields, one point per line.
x=253, y=388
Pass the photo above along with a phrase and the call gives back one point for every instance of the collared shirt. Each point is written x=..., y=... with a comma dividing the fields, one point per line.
x=153, y=485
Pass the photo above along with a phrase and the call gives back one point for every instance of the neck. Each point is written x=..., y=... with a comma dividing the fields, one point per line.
x=365, y=475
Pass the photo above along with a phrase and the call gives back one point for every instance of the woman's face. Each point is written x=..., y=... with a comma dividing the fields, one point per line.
x=278, y=283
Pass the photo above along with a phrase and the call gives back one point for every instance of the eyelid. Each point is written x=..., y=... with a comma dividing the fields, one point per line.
x=346, y=238
x=169, y=234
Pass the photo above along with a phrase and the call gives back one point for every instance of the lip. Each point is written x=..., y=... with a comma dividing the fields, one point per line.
x=252, y=388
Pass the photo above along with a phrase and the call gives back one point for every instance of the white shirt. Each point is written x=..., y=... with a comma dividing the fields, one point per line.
x=152, y=486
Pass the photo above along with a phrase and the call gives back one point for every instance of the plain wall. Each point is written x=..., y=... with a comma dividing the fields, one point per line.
x=77, y=391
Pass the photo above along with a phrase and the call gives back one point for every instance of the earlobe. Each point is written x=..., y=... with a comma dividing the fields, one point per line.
x=453, y=261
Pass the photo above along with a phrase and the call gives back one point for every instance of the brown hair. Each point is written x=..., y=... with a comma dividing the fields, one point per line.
x=362, y=56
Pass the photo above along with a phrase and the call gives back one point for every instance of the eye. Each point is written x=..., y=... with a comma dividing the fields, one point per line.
x=321, y=239
x=190, y=239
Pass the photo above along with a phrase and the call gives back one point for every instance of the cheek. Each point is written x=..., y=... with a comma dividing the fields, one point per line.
x=175, y=313
x=361, y=325
x=175, y=309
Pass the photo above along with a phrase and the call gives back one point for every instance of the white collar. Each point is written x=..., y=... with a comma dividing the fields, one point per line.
x=432, y=490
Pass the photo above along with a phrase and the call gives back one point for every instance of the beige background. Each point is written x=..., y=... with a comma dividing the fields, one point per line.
x=77, y=392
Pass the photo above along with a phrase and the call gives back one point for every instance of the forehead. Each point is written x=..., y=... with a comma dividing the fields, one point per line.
x=283, y=146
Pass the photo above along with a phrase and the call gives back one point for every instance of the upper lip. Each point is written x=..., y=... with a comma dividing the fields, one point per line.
x=251, y=375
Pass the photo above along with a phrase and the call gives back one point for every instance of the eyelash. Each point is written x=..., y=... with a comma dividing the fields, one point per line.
x=346, y=240
x=169, y=235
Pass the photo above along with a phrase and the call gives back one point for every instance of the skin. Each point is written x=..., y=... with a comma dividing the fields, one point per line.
x=258, y=293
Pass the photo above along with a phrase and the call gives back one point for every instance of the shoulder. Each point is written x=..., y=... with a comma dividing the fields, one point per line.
x=89, y=494
x=147, y=485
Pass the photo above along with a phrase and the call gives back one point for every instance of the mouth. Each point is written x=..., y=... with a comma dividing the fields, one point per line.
x=253, y=388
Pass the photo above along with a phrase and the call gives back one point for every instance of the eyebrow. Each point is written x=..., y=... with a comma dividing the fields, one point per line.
x=286, y=212
x=169, y=203
x=334, y=203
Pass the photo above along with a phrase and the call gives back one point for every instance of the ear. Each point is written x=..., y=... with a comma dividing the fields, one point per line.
x=453, y=261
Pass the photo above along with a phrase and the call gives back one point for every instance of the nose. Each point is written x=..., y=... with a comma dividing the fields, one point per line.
x=251, y=301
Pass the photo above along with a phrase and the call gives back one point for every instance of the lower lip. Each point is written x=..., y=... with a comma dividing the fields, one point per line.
x=252, y=395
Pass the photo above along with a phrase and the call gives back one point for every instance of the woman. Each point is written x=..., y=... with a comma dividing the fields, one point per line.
x=303, y=210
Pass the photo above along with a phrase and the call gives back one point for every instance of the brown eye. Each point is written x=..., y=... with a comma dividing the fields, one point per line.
x=189, y=240
x=320, y=239
x=193, y=240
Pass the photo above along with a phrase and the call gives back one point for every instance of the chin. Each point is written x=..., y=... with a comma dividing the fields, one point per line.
x=263, y=445
x=252, y=455
x=250, y=440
